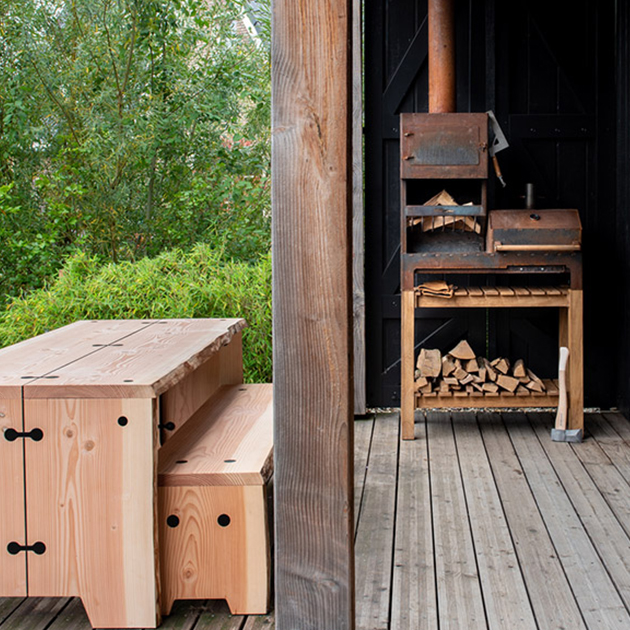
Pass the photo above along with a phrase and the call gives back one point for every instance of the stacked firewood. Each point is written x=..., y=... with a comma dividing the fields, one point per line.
x=462, y=373
x=461, y=222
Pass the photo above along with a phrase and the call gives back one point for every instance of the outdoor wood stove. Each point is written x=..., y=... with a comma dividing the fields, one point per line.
x=444, y=232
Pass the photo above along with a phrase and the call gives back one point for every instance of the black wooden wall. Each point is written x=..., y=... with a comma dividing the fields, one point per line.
x=622, y=218
x=549, y=71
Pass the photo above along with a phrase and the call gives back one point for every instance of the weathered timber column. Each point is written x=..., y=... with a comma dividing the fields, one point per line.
x=312, y=284
x=441, y=57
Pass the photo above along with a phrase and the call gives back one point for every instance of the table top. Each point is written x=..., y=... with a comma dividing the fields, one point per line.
x=111, y=358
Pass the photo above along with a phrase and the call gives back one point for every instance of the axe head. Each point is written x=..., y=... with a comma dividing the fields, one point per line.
x=498, y=140
x=567, y=435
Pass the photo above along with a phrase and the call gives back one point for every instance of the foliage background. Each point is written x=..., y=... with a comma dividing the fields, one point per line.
x=128, y=127
x=132, y=131
x=174, y=284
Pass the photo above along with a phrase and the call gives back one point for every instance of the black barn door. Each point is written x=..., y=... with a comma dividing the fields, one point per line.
x=547, y=70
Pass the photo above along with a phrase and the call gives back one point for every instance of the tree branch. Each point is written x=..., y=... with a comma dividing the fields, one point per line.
x=58, y=103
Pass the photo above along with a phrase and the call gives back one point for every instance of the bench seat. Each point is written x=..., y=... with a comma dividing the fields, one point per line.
x=213, y=519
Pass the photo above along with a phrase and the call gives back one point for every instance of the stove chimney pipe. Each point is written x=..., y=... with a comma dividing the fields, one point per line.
x=441, y=57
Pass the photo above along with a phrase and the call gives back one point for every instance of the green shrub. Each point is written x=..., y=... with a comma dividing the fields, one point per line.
x=175, y=284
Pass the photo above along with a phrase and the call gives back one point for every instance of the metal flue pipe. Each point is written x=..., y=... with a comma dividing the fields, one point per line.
x=441, y=57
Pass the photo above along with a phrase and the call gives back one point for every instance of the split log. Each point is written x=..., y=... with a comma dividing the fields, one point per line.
x=522, y=391
x=448, y=365
x=491, y=388
x=491, y=373
x=460, y=374
x=463, y=351
x=501, y=365
x=427, y=389
x=444, y=390
x=429, y=363
x=507, y=382
x=422, y=381
x=466, y=380
x=539, y=385
x=519, y=371
x=471, y=366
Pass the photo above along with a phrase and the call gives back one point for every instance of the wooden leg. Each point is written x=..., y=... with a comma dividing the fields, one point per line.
x=407, y=342
x=12, y=566
x=90, y=498
x=576, y=360
x=217, y=548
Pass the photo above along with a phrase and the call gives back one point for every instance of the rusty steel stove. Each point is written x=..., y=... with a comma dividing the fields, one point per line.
x=447, y=229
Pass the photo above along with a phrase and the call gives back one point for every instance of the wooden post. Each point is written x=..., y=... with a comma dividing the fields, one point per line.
x=358, y=254
x=312, y=284
x=441, y=57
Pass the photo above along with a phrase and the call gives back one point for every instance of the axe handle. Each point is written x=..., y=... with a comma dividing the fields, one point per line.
x=497, y=170
x=561, y=416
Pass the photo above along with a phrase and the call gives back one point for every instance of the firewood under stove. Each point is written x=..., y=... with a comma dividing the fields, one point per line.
x=461, y=372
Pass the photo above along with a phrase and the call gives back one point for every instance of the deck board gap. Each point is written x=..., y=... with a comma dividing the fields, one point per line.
x=364, y=460
x=519, y=559
x=553, y=543
x=469, y=520
x=394, y=533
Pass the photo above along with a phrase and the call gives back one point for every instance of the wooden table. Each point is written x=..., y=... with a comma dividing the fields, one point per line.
x=84, y=410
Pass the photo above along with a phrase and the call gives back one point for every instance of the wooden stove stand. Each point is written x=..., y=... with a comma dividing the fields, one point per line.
x=568, y=300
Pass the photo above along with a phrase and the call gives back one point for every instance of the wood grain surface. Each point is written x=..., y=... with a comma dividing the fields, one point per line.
x=552, y=598
x=313, y=391
x=229, y=441
x=23, y=362
x=375, y=534
x=200, y=559
x=358, y=232
x=13, y=567
x=414, y=594
x=90, y=498
x=143, y=365
x=180, y=402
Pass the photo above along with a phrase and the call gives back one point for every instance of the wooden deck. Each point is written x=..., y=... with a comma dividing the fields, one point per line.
x=481, y=522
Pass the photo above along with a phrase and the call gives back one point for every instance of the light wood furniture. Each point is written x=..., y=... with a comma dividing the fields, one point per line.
x=82, y=409
x=213, y=475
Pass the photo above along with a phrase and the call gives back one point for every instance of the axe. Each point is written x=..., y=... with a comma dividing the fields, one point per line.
x=560, y=433
x=498, y=143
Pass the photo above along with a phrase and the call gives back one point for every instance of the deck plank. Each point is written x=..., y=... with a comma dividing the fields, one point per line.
x=613, y=486
x=8, y=606
x=375, y=532
x=597, y=597
x=260, y=622
x=612, y=433
x=414, y=598
x=503, y=588
x=36, y=613
x=362, y=441
x=518, y=521
x=551, y=596
x=600, y=523
x=215, y=615
x=460, y=604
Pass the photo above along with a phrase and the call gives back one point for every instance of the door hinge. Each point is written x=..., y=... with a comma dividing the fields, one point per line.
x=14, y=548
x=11, y=435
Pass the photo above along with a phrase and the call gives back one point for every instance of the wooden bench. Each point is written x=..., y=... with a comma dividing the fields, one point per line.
x=84, y=411
x=213, y=522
